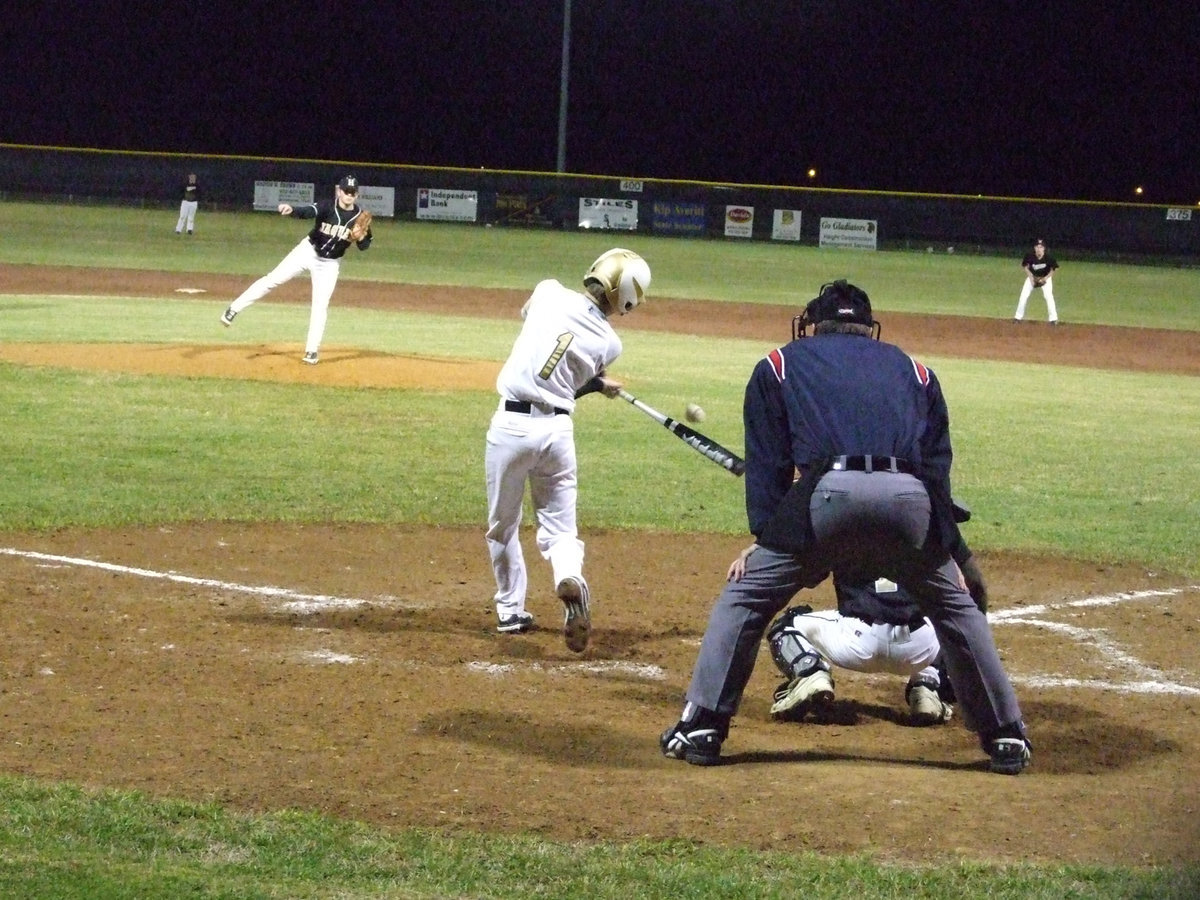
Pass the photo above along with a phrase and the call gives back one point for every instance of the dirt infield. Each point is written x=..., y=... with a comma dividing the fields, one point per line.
x=356, y=670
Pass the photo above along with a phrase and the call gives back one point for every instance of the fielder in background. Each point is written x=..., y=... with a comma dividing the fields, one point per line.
x=338, y=224
x=877, y=627
x=563, y=352
x=868, y=429
x=188, y=204
x=1039, y=269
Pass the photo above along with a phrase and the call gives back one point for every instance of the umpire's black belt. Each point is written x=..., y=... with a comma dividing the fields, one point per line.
x=872, y=464
x=525, y=407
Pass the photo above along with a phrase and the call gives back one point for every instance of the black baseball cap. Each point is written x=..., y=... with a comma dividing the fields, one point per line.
x=349, y=184
x=1039, y=241
x=841, y=302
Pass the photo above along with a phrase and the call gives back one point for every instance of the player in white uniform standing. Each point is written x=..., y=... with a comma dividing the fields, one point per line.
x=563, y=352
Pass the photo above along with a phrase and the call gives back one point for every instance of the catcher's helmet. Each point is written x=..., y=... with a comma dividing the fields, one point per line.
x=623, y=276
x=839, y=301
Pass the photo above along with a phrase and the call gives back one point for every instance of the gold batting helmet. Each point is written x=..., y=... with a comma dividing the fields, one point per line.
x=623, y=276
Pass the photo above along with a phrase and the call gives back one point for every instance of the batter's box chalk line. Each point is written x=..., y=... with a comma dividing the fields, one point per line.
x=1148, y=678
x=1142, y=678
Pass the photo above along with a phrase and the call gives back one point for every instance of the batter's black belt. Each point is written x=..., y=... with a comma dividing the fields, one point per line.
x=525, y=407
x=912, y=624
x=872, y=464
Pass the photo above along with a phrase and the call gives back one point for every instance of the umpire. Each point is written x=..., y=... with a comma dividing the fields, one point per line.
x=868, y=430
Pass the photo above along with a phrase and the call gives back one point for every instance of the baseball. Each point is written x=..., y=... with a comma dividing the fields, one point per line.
x=694, y=413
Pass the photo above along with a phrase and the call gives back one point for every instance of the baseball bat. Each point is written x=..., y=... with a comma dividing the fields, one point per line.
x=701, y=443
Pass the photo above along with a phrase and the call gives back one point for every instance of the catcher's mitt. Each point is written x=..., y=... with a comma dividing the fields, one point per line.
x=362, y=224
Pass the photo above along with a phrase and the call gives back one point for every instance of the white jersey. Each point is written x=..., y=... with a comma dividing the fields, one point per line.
x=565, y=342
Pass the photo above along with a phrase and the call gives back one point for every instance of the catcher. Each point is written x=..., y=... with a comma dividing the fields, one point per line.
x=338, y=225
x=1039, y=269
x=877, y=627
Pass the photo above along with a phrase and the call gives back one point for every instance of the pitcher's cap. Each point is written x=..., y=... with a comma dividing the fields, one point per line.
x=349, y=184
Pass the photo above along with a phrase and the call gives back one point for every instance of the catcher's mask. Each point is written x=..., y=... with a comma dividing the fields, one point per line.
x=839, y=301
x=623, y=276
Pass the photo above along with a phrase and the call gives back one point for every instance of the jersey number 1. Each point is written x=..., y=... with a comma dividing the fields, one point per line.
x=564, y=341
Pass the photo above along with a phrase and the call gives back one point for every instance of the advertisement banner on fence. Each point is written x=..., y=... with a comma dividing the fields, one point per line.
x=596, y=212
x=675, y=217
x=739, y=221
x=381, y=201
x=447, y=206
x=269, y=194
x=853, y=234
x=786, y=226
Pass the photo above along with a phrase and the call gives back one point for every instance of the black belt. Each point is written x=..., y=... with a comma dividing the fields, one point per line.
x=525, y=407
x=872, y=464
x=911, y=624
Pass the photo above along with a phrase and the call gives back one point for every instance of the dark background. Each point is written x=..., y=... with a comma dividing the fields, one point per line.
x=1070, y=100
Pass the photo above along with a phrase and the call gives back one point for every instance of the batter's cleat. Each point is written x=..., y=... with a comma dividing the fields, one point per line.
x=698, y=746
x=310, y=358
x=794, y=699
x=925, y=707
x=1009, y=755
x=228, y=316
x=577, y=618
x=517, y=623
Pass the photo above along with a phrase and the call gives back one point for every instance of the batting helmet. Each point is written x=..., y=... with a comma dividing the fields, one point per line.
x=621, y=276
x=839, y=301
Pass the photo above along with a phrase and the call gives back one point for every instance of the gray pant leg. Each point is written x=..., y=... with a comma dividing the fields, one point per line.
x=736, y=626
x=976, y=672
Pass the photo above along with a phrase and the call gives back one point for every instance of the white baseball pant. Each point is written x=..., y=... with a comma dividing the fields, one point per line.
x=324, y=275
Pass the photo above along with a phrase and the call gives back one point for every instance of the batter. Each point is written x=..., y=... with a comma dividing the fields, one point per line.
x=319, y=254
x=563, y=352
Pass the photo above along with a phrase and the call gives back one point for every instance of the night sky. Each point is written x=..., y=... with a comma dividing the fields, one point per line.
x=1070, y=100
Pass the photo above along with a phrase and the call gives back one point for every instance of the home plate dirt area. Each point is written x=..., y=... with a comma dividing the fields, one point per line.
x=356, y=670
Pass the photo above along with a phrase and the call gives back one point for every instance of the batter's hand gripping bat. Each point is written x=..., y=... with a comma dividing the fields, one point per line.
x=701, y=443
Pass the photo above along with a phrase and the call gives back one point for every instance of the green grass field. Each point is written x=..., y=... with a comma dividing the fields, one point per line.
x=1090, y=464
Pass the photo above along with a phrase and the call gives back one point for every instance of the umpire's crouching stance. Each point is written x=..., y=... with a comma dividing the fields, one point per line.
x=867, y=429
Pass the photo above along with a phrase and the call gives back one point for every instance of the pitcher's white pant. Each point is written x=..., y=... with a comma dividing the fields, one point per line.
x=187, y=215
x=851, y=643
x=538, y=448
x=1047, y=292
x=324, y=275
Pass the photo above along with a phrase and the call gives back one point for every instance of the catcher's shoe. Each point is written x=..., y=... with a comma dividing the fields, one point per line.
x=577, y=618
x=1009, y=755
x=925, y=707
x=517, y=623
x=310, y=358
x=228, y=316
x=794, y=699
x=700, y=746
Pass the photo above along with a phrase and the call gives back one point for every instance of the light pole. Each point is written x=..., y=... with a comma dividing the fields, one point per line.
x=562, y=87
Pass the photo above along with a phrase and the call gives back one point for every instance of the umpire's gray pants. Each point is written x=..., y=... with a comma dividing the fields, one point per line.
x=871, y=524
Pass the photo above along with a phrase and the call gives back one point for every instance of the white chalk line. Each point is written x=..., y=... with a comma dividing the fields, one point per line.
x=1153, y=680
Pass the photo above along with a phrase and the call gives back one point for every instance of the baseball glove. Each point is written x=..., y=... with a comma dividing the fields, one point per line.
x=1038, y=282
x=362, y=224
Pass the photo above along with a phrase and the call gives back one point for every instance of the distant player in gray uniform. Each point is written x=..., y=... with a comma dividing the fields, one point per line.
x=867, y=428
x=319, y=253
x=1039, y=267
x=563, y=352
x=188, y=204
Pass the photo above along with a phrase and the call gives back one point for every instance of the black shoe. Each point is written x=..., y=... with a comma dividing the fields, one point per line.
x=699, y=746
x=1009, y=756
x=310, y=358
x=517, y=623
x=227, y=317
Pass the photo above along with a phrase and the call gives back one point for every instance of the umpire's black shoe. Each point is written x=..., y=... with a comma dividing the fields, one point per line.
x=699, y=746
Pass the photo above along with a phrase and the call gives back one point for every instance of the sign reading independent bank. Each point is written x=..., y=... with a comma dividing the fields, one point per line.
x=851, y=234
